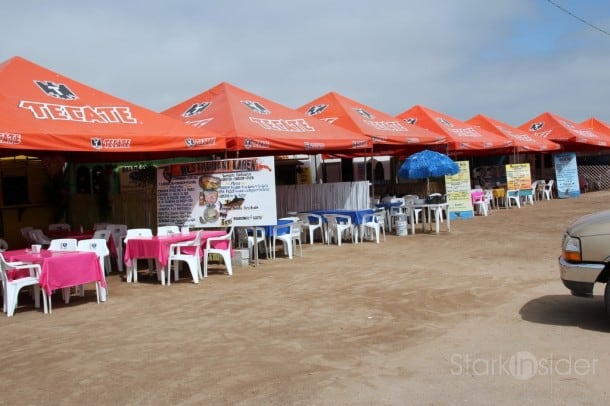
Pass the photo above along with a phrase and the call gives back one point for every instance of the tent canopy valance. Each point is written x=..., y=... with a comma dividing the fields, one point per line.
x=44, y=112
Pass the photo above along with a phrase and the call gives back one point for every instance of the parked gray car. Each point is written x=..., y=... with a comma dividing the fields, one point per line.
x=585, y=255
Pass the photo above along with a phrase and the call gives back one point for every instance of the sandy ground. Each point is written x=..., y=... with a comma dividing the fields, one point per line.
x=475, y=316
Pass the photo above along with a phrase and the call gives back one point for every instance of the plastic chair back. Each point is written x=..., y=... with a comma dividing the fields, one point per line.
x=63, y=244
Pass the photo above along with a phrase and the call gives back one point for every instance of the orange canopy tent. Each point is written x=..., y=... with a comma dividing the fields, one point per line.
x=597, y=126
x=572, y=136
x=389, y=135
x=255, y=126
x=524, y=142
x=43, y=112
x=463, y=138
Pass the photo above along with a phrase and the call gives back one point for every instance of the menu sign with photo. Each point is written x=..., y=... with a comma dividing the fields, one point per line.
x=566, y=172
x=458, y=192
x=219, y=193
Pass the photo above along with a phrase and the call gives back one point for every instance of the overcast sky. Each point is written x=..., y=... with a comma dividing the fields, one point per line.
x=508, y=59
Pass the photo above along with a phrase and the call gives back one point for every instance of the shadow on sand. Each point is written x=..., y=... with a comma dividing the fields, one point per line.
x=567, y=310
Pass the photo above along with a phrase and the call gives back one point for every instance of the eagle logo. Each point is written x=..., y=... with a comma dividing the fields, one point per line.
x=96, y=143
x=57, y=90
x=255, y=107
x=364, y=113
x=316, y=109
x=195, y=109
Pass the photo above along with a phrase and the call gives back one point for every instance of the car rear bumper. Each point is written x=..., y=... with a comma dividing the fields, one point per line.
x=579, y=278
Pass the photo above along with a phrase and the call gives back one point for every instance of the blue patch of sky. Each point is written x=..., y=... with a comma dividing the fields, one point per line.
x=549, y=30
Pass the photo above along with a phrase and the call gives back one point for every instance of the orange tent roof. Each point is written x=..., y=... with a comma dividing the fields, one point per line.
x=254, y=125
x=524, y=142
x=571, y=135
x=43, y=111
x=387, y=132
x=597, y=125
x=463, y=138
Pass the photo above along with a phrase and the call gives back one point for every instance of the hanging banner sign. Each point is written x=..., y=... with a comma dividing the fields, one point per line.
x=458, y=192
x=219, y=193
x=566, y=173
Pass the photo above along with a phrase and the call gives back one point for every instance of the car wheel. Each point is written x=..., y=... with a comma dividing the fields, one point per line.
x=607, y=298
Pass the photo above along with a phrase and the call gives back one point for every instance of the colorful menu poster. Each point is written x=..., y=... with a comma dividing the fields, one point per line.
x=458, y=192
x=566, y=173
x=219, y=193
x=518, y=177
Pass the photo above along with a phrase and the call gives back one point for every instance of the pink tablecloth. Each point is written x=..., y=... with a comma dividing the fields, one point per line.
x=61, y=269
x=158, y=247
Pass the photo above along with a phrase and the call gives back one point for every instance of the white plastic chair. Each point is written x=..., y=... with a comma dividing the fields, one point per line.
x=513, y=196
x=59, y=226
x=63, y=244
x=25, y=232
x=37, y=236
x=283, y=233
x=186, y=251
x=489, y=196
x=261, y=238
x=11, y=288
x=411, y=200
x=119, y=232
x=225, y=252
x=338, y=225
x=297, y=231
x=374, y=223
x=100, y=226
x=535, y=189
x=104, y=234
x=167, y=230
x=442, y=212
x=100, y=247
x=310, y=223
x=548, y=189
x=3, y=245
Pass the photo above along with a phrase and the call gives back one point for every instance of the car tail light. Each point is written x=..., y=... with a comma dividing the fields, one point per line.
x=571, y=249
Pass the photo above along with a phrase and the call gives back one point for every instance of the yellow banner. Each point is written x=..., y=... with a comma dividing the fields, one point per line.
x=518, y=176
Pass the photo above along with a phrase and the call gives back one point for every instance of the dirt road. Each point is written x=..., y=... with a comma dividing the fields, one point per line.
x=475, y=316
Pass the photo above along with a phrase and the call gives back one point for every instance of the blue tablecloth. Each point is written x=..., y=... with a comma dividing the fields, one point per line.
x=356, y=215
x=280, y=231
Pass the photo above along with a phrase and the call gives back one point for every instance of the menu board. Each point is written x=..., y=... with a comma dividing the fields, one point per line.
x=566, y=172
x=518, y=177
x=218, y=193
x=458, y=192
